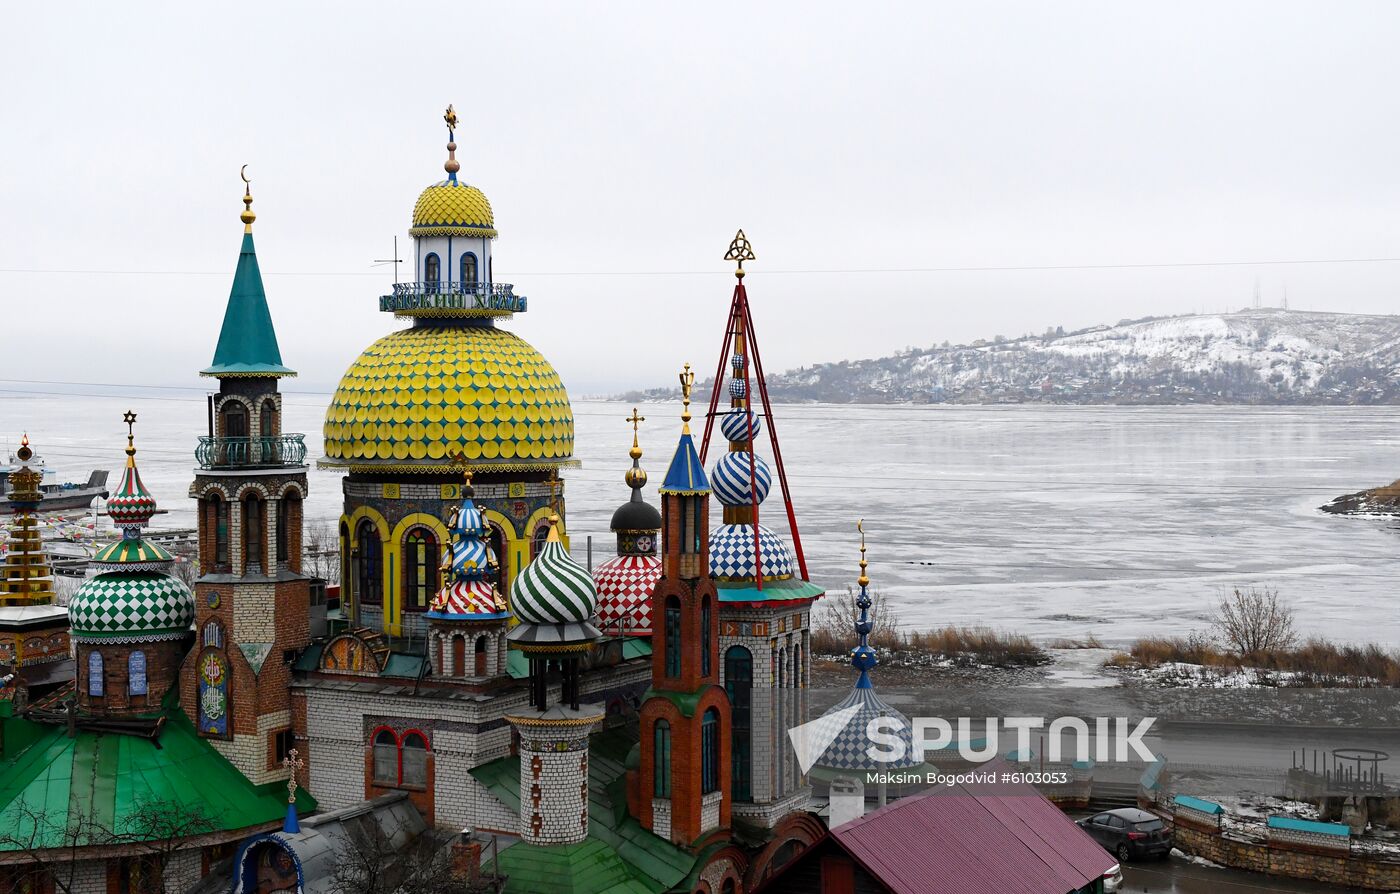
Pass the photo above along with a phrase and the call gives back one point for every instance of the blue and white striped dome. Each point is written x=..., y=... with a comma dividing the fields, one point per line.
x=736, y=423
x=553, y=589
x=732, y=554
x=729, y=479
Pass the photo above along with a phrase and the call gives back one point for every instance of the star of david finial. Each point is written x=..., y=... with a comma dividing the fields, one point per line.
x=130, y=419
x=740, y=250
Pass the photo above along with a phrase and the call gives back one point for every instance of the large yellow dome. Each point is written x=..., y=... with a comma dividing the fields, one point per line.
x=419, y=397
x=451, y=208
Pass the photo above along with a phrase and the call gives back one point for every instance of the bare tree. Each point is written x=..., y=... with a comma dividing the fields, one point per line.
x=367, y=862
x=51, y=844
x=834, y=623
x=1255, y=622
x=160, y=827
x=320, y=552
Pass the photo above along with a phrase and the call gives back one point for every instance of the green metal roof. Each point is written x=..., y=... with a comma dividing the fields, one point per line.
x=618, y=857
x=106, y=777
x=773, y=590
x=247, y=343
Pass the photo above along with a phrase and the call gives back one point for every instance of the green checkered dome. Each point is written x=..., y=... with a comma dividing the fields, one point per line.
x=131, y=607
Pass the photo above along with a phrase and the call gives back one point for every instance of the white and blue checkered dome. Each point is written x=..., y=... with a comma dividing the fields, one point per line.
x=732, y=554
x=851, y=747
x=740, y=424
x=730, y=479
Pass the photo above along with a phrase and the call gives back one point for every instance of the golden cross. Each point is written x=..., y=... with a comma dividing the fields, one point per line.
x=687, y=382
x=292, y=763
x=450, y=116
x=635, y=420
x=740, y=250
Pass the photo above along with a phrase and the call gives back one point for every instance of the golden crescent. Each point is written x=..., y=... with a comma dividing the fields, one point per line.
x=243, y=172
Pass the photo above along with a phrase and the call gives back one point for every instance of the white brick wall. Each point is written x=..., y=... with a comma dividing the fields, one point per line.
x=554, y=775
x=661, y=817
x=249, y=752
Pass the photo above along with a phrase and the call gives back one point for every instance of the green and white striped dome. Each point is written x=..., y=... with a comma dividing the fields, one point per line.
x=131, y=607
x=553, y=589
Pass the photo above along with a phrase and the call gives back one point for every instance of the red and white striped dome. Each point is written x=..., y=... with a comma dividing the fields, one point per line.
x=625, y=584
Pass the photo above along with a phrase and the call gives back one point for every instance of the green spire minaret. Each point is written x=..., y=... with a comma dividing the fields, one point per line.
x=248, y=342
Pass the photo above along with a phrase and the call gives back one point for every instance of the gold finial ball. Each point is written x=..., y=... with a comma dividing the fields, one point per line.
x=247, y=216
x=636, y=477
x=452, y=166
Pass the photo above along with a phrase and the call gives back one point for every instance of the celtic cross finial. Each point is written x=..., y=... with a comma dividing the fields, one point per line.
x=740, y=250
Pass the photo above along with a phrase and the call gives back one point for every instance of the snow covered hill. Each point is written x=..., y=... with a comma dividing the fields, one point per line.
x=1255, y=356
x=1263, y=355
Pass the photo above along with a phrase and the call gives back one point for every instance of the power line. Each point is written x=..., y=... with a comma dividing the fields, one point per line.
x=987, y=268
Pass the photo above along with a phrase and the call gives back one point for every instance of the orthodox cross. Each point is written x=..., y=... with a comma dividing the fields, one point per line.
x=292, y=763
x=635, y=420
x=740, y=250
x=450, y=116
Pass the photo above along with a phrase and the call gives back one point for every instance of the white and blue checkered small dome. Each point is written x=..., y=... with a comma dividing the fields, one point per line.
x=850, y=747
x=740, y=424
x=730, y=479
x=732, y=554
x=131, y=607
x=737, y=388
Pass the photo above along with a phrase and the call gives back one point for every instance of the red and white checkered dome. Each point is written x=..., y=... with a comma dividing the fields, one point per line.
x=625, y=585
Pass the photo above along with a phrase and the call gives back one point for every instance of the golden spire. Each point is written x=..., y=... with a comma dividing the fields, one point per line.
x=451, y=166
x=636, y=477
x=740, y=250
x=864, y=581
x=247, y=216
x=687, y=382
x=553, y=535
x=130, y=419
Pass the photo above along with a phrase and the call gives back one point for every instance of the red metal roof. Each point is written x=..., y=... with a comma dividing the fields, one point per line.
x=953, y=839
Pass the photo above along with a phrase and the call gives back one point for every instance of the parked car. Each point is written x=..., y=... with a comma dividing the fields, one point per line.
x=1113, y=879
x=1129, y=833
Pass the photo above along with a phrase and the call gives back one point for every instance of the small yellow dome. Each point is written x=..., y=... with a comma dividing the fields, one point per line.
x=419, y=397
x=451, y=208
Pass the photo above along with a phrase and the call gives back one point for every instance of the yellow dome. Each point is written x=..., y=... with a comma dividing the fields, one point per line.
x=419, y=397
x=451, y=208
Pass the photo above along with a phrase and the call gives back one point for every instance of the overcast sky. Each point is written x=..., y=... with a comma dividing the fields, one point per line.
x=621, y=145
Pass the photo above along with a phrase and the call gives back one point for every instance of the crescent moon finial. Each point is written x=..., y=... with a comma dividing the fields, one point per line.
x=247, y=216
x=243, y=173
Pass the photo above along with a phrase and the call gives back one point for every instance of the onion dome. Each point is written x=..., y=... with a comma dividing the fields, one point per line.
x=131, y=607
x=626, y=581
x=467, y=593
x=131, y=506
x=452, y=208
x=849, y=749
x=418, y=397
x=741, y=479
x=132, y=598
x=732, y=554
x=553, y=589
x=740, y=424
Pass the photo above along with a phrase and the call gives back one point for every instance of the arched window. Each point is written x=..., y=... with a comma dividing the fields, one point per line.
x=136, y=673
x=431, y=273
x=368, y=555
x=288, y=525
x=537, y=542
x=673, y=637
x=728, y=886
x=468, y=270
x=661, y=764
x=705, y=661
x=347, y=578
x=738, y=682
x=420, y=570
x=709, y=751
x=386, y=758
x=235, y=419
x=254, y=534
x=95, y=678
x=480, y=657
x=213, y=635
x=219, y=523
x=267, y=420
x=459, y=655
x=414, y=761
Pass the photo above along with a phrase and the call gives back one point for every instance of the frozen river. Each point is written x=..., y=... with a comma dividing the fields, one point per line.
x=1054, y=521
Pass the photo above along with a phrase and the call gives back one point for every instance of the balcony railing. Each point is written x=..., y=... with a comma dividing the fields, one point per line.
x=483, y=299
x=240, y=453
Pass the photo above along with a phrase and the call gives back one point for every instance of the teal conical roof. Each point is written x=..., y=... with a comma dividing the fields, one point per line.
x=248, y=342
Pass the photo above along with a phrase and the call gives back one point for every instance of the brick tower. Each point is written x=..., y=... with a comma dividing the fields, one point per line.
x=251, y=598
x=684, y=774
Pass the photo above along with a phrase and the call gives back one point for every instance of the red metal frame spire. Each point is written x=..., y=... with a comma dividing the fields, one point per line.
x=740, y=340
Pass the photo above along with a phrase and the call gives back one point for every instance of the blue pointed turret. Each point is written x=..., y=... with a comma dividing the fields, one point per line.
x=686, y=474
x=248, y=342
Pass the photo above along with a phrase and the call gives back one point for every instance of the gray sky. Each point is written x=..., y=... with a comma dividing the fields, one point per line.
x=620, y=140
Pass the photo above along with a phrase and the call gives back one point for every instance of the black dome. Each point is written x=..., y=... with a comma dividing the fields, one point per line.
x=636, y=515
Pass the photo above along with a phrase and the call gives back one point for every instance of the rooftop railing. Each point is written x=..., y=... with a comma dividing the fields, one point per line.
x=239, y=453
x=438, y=297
